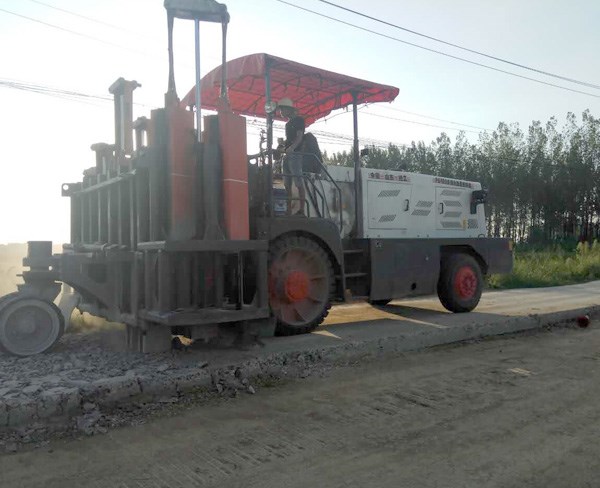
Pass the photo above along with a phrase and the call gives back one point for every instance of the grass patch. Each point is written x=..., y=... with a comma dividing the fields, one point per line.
x=551, y=267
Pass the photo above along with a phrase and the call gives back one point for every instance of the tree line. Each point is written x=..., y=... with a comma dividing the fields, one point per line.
x=544, y=183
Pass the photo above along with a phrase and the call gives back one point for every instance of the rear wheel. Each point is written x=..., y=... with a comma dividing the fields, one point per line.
x=29, y=325
x=301, y=283
x=460, y=283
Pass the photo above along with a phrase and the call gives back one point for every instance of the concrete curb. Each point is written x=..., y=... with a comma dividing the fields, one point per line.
x=57, y=406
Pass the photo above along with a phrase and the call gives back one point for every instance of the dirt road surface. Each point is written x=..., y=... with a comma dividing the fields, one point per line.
x=519, y=411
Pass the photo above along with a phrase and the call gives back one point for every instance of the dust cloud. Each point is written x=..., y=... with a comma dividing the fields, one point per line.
x=11, y=265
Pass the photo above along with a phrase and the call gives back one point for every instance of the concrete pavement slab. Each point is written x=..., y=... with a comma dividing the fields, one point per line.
x=350, y=332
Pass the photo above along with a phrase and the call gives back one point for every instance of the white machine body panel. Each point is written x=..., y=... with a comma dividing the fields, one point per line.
x=398, y=204
x=388, y=202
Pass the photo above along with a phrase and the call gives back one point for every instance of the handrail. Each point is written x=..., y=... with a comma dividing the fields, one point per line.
x=306, y=178
x=338, y=190
x=261, y=155
x=330, y=178
x=321, y=205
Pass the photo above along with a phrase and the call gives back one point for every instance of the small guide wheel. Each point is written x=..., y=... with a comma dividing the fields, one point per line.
x=29, y=325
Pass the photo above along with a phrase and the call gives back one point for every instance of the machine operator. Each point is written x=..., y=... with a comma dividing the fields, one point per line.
x=292, y=160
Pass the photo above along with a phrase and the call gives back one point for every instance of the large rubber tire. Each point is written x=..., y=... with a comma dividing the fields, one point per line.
x=380, y=303
x=461, y=283
x=301, y=283
x=29, y=325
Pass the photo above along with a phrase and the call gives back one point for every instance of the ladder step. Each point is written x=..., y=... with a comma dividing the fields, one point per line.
x=355, y=275
x=353, y=251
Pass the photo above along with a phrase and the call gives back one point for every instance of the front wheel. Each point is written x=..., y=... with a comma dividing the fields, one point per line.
x=301, y=283
x=461, y=283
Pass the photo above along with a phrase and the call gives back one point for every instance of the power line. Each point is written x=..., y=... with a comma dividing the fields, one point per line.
x=112, y=26
x=412, y=121
x=419, y=123
x=344, y=112
x=91, y=19
x=55, y=93
x=327, y=137
x=436, y=51
x=59, y=92
x=502, y=60
x=331, y=137
x=93, y=38
x=434, y=118
x=334, y=138
x=80, y=34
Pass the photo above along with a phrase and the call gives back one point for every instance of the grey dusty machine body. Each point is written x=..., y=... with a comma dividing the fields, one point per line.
x=176, y=230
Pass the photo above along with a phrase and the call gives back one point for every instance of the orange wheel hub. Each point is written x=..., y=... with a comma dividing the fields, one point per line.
x=465, y=282
x=296, y=286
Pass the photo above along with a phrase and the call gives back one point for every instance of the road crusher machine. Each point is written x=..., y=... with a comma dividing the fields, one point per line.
x=176, y=230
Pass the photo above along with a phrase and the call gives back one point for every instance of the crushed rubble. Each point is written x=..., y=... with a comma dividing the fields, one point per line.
x=73, y=386
x=87, y=385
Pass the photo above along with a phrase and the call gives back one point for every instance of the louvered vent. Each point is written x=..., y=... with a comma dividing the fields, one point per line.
x=452, y=203
x=388, y=193
x=450, y=193
x=451, y=224
x=387, y=218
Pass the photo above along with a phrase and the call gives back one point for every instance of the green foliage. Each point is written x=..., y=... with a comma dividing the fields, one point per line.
x=557, y=265
x=565, y=244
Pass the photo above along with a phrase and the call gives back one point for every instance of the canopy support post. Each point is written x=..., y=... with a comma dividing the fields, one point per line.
x=198, y=80
x=171, y=95
x=358, y=201
x=269, y=140
x=224, y=63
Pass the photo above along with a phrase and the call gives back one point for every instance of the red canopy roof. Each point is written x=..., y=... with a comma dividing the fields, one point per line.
x=315, y=92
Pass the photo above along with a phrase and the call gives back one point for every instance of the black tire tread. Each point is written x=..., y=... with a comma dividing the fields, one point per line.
x=275, y=249
x=445, y=289
x=15, y=296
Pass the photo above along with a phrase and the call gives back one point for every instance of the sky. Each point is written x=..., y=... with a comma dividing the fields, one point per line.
x=84, y=45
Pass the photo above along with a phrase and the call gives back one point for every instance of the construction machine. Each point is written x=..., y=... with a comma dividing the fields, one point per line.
x=176, y=230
